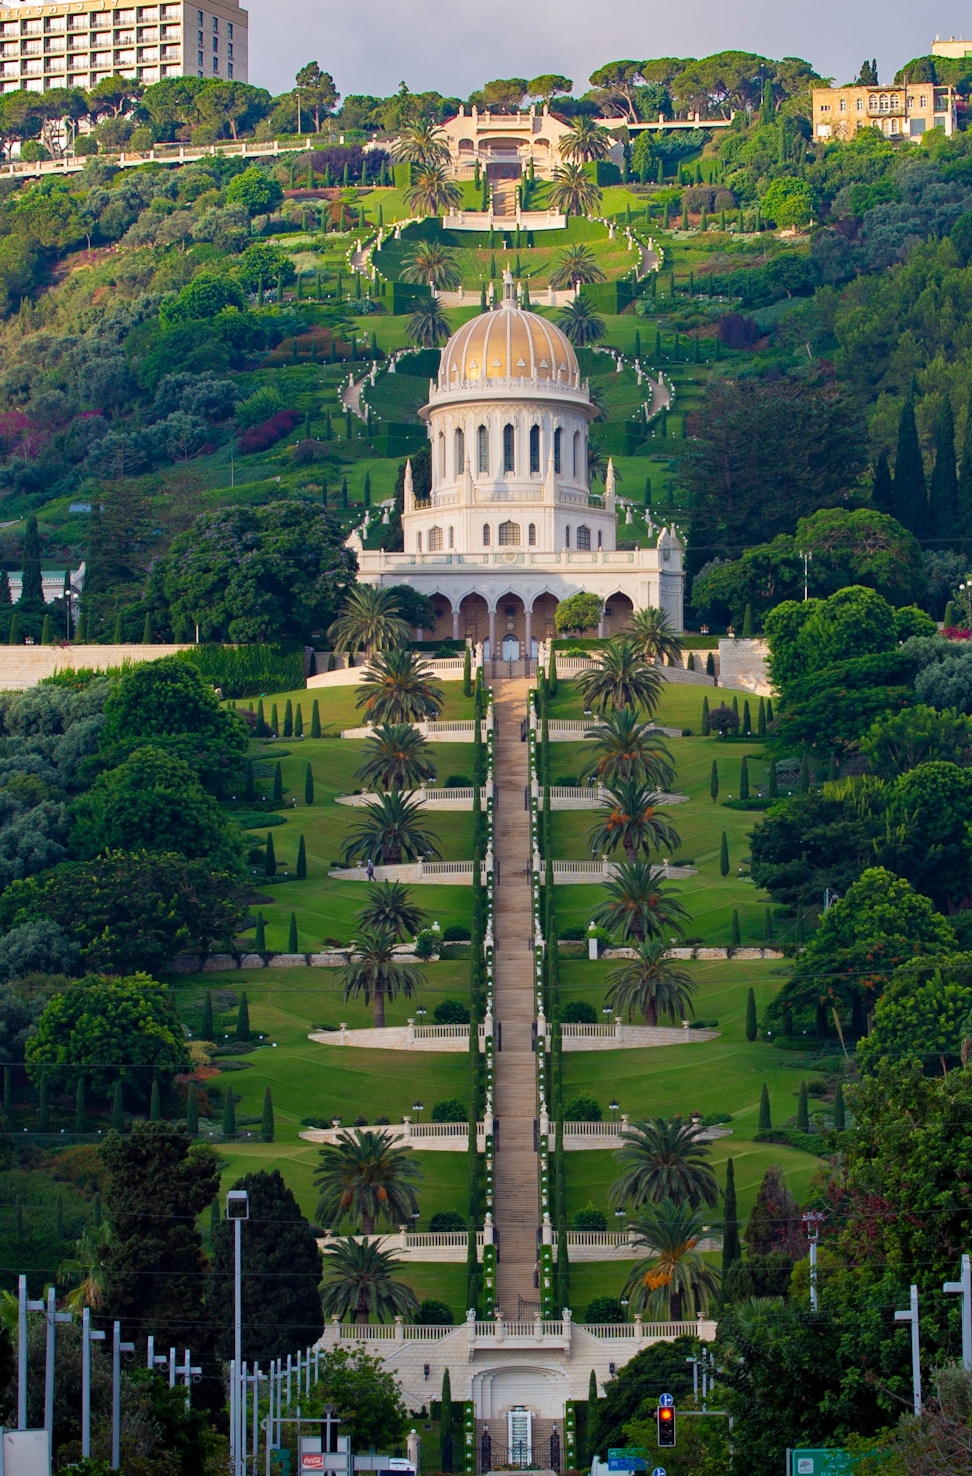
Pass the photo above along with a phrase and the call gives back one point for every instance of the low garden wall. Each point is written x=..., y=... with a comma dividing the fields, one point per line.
x=22, y=667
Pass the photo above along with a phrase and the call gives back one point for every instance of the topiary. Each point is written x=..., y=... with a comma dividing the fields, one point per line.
x=434, y=1314
x=583, y=1109
x=450, y=1109
x=589, y=1218
x=578, y=1012
x=445, y=1221
x=450, y=1012
x=604, y=1309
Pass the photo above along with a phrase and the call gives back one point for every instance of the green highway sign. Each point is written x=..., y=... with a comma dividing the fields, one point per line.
x=837, y=1462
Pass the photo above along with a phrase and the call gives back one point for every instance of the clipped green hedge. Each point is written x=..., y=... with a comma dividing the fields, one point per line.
x=820, y=1144
x=603, y=172
x=610, y=297
x=248, y=671
x=402, y=297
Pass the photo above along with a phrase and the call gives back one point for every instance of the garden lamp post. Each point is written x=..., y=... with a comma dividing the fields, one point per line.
x=613, y=1106
x=417, y=1108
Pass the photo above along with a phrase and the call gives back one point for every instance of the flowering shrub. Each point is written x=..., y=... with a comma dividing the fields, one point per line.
x=958, y=633
x=268, y=432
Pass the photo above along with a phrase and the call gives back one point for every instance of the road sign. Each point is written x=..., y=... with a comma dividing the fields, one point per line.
x=665, y=1401
x=837, y=1462
x=659, y=1471
x=627, y=1458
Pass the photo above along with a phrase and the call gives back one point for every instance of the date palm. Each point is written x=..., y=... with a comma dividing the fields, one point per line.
x=654, y=635
x=427, y=325
x=422, y=142
x=651, y=984
x=630, y=818
x=390, y=909
x=370, y=620
x=365, y=1176
x=375, y=972
x=673, y=1281
x=638, y=903
x=585, y=141
x=572, y=191
x=627, y=748
x=664, y=1159
x=396, y=757
x=391, y=827
x=86, y=1269
x=433, y=263
x=621, y=679
x=359, y=1281
x=397, y=687
x=576, y=265
x=433, y=191
x=581, y=323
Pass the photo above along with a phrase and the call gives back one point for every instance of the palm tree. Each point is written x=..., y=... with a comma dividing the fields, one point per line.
x=390, y=828
x=370, y=619
x=674, y=1280
x=654, y=635
x=396, y=757
x=572, y=191
x=397, y=687
x=585, y=141
x=576, y=265
x=433, y=191
x=630, y=818
x=364, y=1176
x=581, y=323
x=427, y=325
x=433, y=263
x=651, y=984
x=86, y=1268
x=375, y=972
x=422, y=142
x=622, y=679
x=627, y=748
x=359, y=1280
x=388, y=908
x=664, y=1159
x=638, y=905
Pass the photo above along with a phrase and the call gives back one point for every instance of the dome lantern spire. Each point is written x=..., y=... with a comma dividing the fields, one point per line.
x=509, y=289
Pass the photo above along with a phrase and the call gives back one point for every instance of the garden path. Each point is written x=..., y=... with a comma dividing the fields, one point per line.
x=516, y=1213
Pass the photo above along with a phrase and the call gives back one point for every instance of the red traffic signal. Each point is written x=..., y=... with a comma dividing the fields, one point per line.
x=666, y=1426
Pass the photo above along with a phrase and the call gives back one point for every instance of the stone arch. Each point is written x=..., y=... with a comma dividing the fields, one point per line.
x=474, y=617
x=544, y=607
x=510, y=626
x=621, y=608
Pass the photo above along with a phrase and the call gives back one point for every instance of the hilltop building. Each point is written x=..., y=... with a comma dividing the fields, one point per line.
x=906, y=112
x=505, y=144
x=953, y=47
x=510, y=527
x=78, y=44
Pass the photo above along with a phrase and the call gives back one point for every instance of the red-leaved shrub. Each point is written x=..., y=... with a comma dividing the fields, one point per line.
x=268, y=432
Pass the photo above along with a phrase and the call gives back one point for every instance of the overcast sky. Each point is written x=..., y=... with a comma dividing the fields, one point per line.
x=455, y=46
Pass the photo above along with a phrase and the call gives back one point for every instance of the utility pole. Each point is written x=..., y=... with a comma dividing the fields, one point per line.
x=911, y=1315
x=87, y=1338
x=806, y=555
x=963, y=1288
x=812, y=1220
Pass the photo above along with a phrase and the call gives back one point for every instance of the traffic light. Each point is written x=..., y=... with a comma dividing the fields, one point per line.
x=666, y=1426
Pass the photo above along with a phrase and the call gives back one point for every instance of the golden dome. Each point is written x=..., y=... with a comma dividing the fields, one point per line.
x=508, y=343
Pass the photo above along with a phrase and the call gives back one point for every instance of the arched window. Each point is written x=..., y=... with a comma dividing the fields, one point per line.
x=509, y=457
x=534, y=449
x=442, y=464
x=460, y=454
x=567, y=536
x=558, y=450
x=485, y=535
x=576, y=463
x=418, y=543
x=532, y=535
x=452, y=537
x=435, y=540
x=482, y=438
x=509, y=532
x=583, y=536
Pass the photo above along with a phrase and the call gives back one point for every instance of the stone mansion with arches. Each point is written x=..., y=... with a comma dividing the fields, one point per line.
x=510, y=526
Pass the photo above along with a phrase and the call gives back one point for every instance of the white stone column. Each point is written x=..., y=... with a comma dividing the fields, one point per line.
x=528, y=631
x=455, y=624
x=492, y=634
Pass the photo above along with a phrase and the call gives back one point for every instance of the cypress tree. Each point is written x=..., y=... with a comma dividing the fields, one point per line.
x=772, y=788
x=803, y=1110
x=32, y=589
x=714, y=781
x=315, y=730
x=445, y=1424
x=747, y=721
x=943, y=496
x=761, y=719
x=724, y=855
x=308, y=785
x=243, y=1018
x=249, y=787
x=277, y=784
x=266, y=1126
x=80, y=1114
x=13, y=638
x=563, y=1266
x=206, y=1028
x=467, y=673
x=118, y=634
x=710, y=665
x=367, y=489
x=215, y=1219
x=259, y=937
x=744, y=779
x=964, y=528
x=147, y=637
x=768, y=926
x=298, y=722
x=730, y=1221
x=735, y=711
x=229, y=1114
x=910, y=489
x=552, y=675
x=735, y=937
x=292, y=934
x=769, y=712
x=765, y=1124
x=751, y=1025
x=192, y=1111
x=261, y=722
x=705, y=717
x=747, y=630
x=882, y=487
x=804, y=775
x=274, y=722
x=301, y=860
x=46, y=637
x=840, y=1113
x=832, y=767
x=155, y=1102
x=591, y=1395
x=44, y=1115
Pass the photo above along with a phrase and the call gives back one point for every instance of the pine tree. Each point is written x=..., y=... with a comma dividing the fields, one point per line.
x=768, y=926
x=277, y=784
x=735, y=937
x=308, y=785
x=772, y=788
x=155, y=1102
x=315, y=730
x=243, y=1018
x=765, y=1123
x=80, y=1114
x=301, y=871
x=882, y=487
x=744, y=778
x=192, y=1111
x=714, y=781
x=724, y=855
x=207, y=1026
x=229, y=1114
x=803, y=1110
x=705, y=717
x=266, y=1126
x=943, y=494
x=292, y=934
x=298, y=722
x=730, y=1221
x=270, y=859
x=840, y=1112
x=910, y=489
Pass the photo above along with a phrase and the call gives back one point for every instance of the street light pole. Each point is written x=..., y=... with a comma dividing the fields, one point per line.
x=52, y=1317
x=117, y=1349
x=87, y=1338
x=23, y=1307
x=238, y=1210
x=812, y=1221
x=963, y=1288
x=911, y=1315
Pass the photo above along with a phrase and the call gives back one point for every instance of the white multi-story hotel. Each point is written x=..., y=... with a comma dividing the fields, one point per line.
x=78, y=44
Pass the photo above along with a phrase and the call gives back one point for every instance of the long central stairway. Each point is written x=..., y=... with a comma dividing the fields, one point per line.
x=516, y=1213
